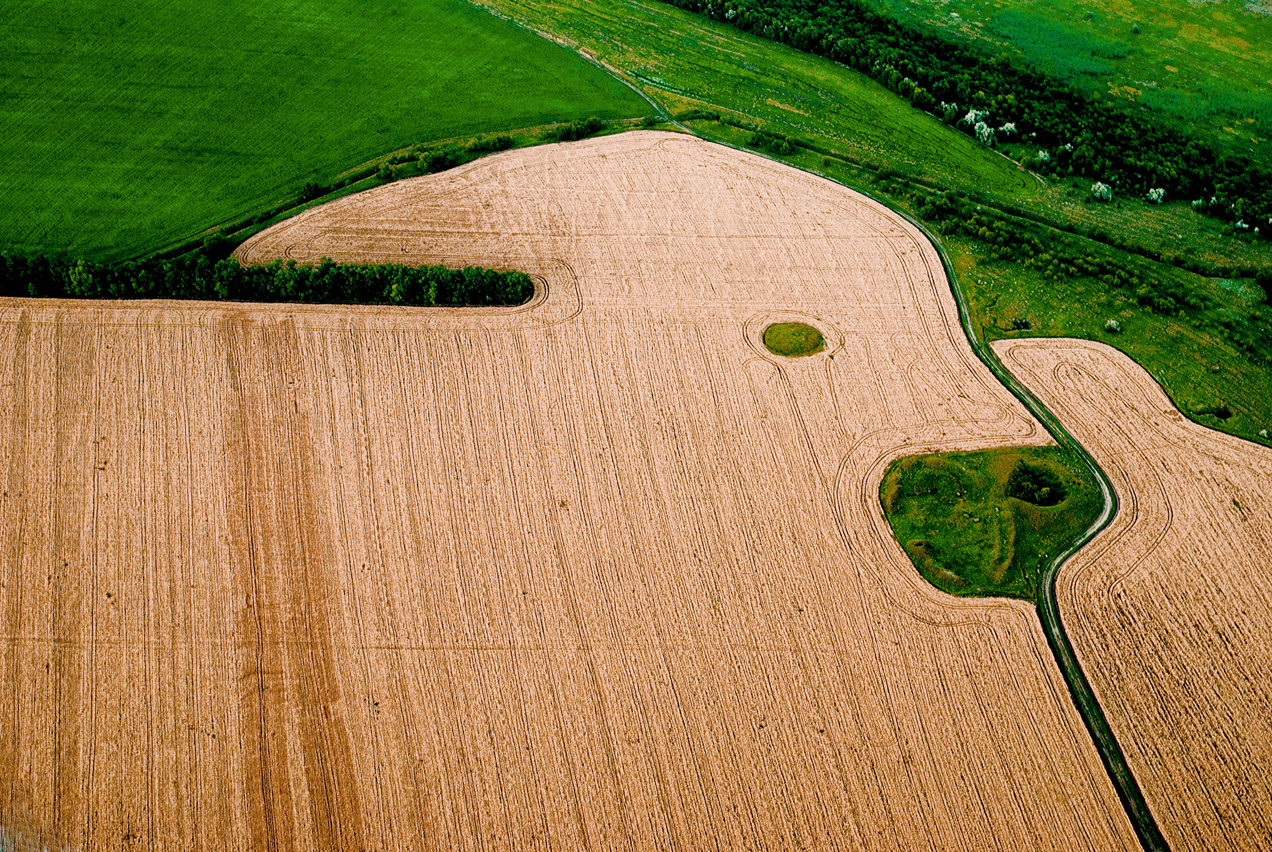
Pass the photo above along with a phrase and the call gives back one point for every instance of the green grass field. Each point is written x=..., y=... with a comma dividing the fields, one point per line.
x=685, y=61
x=1205, y=64
x=1200, y=370
x=971, y=529
x=130, y=126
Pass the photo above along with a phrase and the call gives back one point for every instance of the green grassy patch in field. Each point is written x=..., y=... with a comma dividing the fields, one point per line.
x=987, y=523
x=793, y=339
x=130, y=126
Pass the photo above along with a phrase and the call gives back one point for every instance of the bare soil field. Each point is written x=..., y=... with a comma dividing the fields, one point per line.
x=596, y=573
x=1170, y=608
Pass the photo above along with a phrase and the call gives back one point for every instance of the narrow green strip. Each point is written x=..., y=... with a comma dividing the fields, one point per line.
x=1150, y=836
x=1088, y=707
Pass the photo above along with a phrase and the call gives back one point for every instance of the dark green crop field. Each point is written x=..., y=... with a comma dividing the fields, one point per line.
x=133, y=125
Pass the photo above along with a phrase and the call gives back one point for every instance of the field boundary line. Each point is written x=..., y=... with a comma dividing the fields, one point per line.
x=663, y=113
x=1084, y=699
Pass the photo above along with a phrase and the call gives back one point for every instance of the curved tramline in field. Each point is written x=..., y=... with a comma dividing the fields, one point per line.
x=1169, y=608
x=599, y=573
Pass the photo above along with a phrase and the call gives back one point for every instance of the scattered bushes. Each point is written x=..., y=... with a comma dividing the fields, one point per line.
x=573, y=131
x=782, y=146
x=441, y=159
x=313, y=190
x=491, y=144
x=1034, y=484
x=1081, y=134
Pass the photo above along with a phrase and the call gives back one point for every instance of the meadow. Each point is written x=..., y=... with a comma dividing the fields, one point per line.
x=1206, y=64
x=133, y=126
x=972, y=529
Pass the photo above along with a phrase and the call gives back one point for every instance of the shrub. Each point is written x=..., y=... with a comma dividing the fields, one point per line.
x=1101, y=191
x=501, y=142
x=440, y=159
x=574, y=131
x=1037, y=485
x=313, y=190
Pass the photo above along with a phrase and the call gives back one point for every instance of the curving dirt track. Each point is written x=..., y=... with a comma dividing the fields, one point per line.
x=1170, y=608
x=599, y=573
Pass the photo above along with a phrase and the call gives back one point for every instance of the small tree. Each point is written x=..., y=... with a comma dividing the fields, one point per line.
x=975, y=116
x=1156, y=195
x=1101, y=191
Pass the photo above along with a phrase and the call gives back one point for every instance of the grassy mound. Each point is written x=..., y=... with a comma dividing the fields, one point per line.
x=986, y=523
x=130, y=126
x=793, y=339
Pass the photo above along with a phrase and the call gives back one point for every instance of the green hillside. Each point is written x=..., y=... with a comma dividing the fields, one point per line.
x=683, y=61
x=129, y=126
x=1205, y=64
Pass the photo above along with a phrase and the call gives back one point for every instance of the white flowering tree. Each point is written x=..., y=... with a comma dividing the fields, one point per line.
x=1156, y=195
x=1007, y=129
x=984, y=133
x=1101, y=191
x=1044, y=156
x=975, y=116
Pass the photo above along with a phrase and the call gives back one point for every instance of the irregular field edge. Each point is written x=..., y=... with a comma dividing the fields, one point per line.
x=1084, y=699
x=1088, y=707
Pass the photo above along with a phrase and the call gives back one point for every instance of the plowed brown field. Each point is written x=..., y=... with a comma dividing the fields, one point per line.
x=597, y=573
x=1170, y=608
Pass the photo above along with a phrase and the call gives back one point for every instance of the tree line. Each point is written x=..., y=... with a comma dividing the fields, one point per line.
x=1131, y=149
x=203, y=275
x=1055, y=255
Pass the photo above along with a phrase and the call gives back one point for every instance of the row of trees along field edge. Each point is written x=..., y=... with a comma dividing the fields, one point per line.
x=1130, y=151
